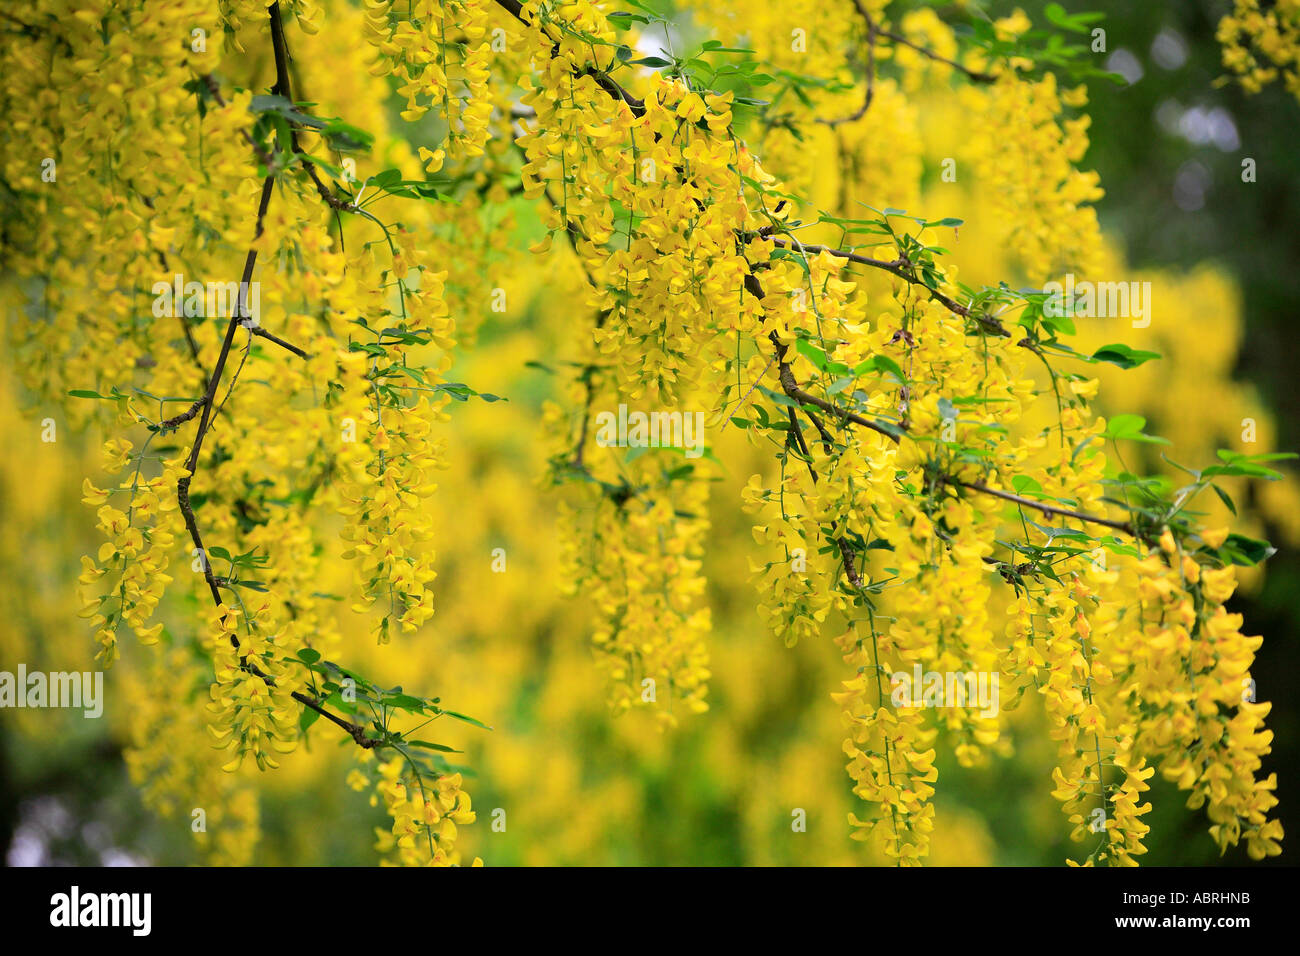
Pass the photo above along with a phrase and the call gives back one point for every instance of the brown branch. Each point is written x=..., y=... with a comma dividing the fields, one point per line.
x=28, y=28
x=1045, y=508
x=357, y=732
x=281, y=52
x=872, y=32
x=170, y=424
x=973, y=75
x=897, y=267
x=259, y=331
x=205, y=406
x=901, y=267
x=792, y=389
x=282, y=88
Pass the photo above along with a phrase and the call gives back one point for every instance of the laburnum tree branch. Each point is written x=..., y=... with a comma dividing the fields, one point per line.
x=205, y=406
x=901, y=268
x=1044, y=507
x=272, y=337
x=280, y=48
x=874, y=33
x=875, y=30
x=975, y=76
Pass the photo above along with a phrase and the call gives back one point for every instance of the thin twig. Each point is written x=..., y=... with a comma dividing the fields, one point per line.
x=261, y=332
x=973, y=75
x=871, y=70
x=1125, y=526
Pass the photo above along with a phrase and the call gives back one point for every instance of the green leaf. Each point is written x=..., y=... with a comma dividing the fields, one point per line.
x=466, y=719
x=1076, y=23
x=1226, y=455
x=1053, y=532
x=438, y=747
x=284, y=107
x=404, y=702
x=345, y=138
x=1245, y=551
x=323, y=164
x=1024, y=485
x=1244, y=469
x=780, y=398
x=1121, y=426
x=461, y=392
x=1123, y=356
x=1237, y=463
x=1224, y=497
x=881, y=363
x=1129, y=428
x=819, y=358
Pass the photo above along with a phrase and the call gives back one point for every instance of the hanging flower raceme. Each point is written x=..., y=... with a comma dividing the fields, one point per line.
x=425, y=812
x=252, y=706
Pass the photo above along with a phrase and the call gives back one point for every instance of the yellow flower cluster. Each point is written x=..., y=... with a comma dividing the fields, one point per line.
x=126, y=580
x=1189, y=666
x=1024, y=154
x=390, y=471
x=1073, y=689
x=438, y=49
x=891, y=759
x=795, y=591
x=252, y=706
x=425, y=813
x=638, y=559
x=665, y=267
x=1261, y=43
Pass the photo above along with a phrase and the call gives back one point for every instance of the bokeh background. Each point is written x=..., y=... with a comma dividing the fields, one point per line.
x=578, y=787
